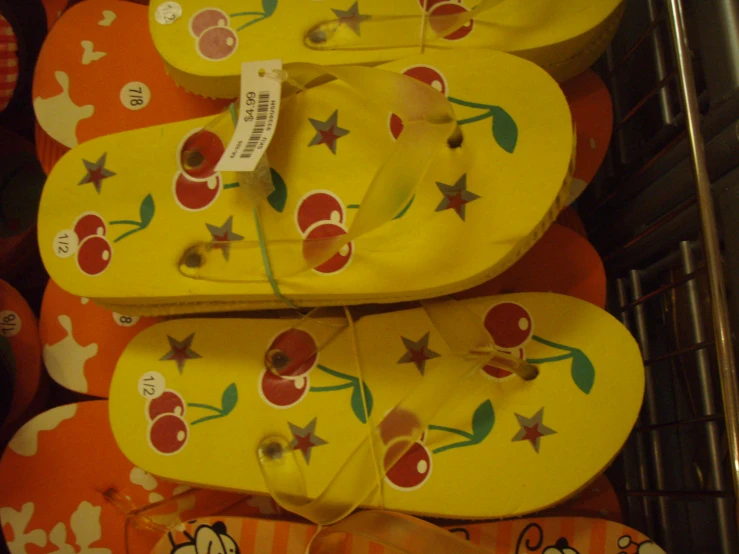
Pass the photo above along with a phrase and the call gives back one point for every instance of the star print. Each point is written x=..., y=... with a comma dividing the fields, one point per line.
x=180, y=351
x=351, y=17
x=305, y=439
x=96, y=172
x=456, y=197
x=327, y=132
x=223, y=235
x=417, y=352
x=532, y=429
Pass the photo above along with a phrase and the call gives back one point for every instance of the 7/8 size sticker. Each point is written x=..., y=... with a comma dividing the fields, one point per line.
x=10, y=323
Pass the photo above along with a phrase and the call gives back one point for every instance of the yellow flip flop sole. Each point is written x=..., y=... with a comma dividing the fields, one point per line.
x=192, y=400
x=118, y=216
x=204, y=44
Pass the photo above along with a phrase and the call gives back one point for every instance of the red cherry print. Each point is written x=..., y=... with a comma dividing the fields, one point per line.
x=207, y=18
x=168, y=434
x=509, y=324
x=292, y=354
x=319, y=206
x=499, y=372
x=93, y=255
x=196, y=195
x=282, y=393
x=217, y=43
x=200, y=154
x=329, y=230
x=89, y=224
x=425, y=74
x=428, y=75
x=450, y=8
x=398, y=423
x=396, y=125
x=169, y=402
x=412, y=470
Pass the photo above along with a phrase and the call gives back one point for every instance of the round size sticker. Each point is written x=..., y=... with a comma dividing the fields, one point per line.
x=167, y=13
x=151, y=385
x=135, y=95
x=65, y=243
x=10, y=323
x=125, y=320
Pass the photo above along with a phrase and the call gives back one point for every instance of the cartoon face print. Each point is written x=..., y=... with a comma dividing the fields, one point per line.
x=560, y=547
x=208, y=539
x=626, y=543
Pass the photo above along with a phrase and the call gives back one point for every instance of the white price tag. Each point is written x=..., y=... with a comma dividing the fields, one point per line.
x=259, y=109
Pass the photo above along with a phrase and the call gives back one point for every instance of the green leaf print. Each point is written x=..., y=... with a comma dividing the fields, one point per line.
x=277, y=197
x=583, y=372
x=505, y=130
x=269, y=7
x=146, y=211
x=229, y=399
x=358, y=403
x=483, y=420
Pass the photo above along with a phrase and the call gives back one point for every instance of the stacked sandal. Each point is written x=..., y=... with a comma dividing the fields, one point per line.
x=379, y=314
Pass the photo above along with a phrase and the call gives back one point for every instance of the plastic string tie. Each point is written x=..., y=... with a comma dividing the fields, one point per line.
x=268, y=266
x=379, y=474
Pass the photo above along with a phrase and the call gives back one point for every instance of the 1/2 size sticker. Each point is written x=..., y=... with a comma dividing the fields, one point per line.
x=65, y=243
x=257, y=119
x=151, y=385
x=168, y=13
x=10, y=323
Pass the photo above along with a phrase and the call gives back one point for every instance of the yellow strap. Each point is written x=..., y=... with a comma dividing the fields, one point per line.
x=386, y=443
x=400, y=533
x=391, y=31
x=428, y=120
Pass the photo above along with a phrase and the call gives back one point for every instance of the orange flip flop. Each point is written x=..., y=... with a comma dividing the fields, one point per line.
x=18, y=325
x=83, y=341
x=99, y=73
x=561, y=261
x=67, y=488
x=592, y=112
x=571, y=219
x=377, y=532
x=54, y=10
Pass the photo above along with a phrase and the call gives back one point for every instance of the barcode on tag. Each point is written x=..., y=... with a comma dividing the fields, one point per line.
x=259, y=108
x=259, y=124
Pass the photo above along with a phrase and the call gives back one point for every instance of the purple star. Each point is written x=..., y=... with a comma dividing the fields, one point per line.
x=96, y=172
x=417, y=352
x=532, y=429
x=180, y=351
x=327, y=132
x=305, y=439
x=223, y=235
x=351, y=17
x=456, y=197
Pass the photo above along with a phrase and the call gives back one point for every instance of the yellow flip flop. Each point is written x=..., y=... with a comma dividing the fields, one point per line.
x=428, y=402
x=391, y=533
x=204, y=43
x=436, y=217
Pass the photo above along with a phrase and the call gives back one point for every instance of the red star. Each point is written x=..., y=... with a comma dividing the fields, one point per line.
x=304, y=444
x=180, y=351
x=456, y=202
x=328, y=137
x=418, y=357
x=532, y=433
